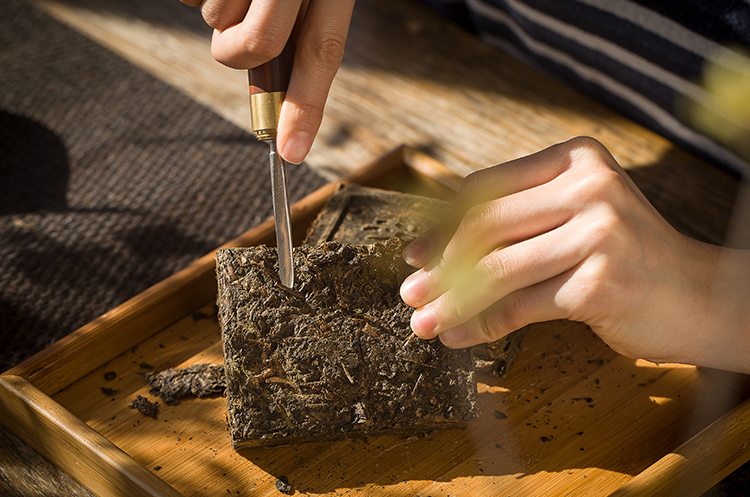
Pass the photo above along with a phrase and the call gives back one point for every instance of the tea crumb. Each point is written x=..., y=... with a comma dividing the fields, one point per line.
x=145, y=406
x=200, y=315
x=198, y=380
x=283, y=486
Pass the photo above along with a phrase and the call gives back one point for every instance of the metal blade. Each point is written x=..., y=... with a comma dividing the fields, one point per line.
x=281, y=216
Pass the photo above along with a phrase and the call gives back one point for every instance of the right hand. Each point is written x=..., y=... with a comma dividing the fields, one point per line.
x=247, y=35
x=566, y=234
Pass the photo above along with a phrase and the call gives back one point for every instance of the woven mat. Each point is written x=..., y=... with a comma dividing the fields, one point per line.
x=110, y=181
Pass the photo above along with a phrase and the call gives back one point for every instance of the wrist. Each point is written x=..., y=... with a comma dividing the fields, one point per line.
x=726, y=331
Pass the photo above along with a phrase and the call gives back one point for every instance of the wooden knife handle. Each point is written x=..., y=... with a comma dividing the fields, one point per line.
x=268, y=85
x=273, y=76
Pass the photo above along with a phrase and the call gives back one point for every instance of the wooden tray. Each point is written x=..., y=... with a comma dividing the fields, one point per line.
x=571, y=417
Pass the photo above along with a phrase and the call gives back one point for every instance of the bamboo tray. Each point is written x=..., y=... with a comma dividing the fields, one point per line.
x=571, y=417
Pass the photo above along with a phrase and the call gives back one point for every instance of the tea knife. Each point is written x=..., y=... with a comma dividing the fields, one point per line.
x=268, y=85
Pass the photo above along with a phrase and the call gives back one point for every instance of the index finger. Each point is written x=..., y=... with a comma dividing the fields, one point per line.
x=516, y=175
x=248, y=34
x=319, y=51
x=495, y=182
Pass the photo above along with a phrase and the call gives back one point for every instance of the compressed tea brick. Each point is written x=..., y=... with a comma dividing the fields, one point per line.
x=334, y=357
x=358, y=214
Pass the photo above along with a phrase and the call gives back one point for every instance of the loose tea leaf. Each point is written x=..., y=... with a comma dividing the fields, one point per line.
x=145, y=406
x=496, y=358
x=198, y=380
x=334, y=357
x=283, y=486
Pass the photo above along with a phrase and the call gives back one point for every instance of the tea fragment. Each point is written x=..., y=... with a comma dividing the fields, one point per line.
x=496, y=358
x=199, y=380
x=145, y=406
x=283, y=486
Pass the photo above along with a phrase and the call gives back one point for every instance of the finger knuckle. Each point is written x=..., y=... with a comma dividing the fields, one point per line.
x=483, y=216
x=609, y=226
x=489, y=329
x=447, y=311
x=472, y=181
x=591, y=291
x=264, y=44
x=326, y=51
x=499, y=266
x=610, y=182
x=603, y=186
x=586, y=146
x=306, y=114
x=507, y=316
x=587, y=153
x=470, y=187
x=512, y=316
x=218, y=16
x=211, y=15
x=475, y=225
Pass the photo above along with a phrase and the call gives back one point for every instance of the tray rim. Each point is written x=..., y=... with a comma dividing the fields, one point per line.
x=26, y=389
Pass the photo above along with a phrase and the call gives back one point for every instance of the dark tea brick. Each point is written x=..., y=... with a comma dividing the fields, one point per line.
x=334, y=357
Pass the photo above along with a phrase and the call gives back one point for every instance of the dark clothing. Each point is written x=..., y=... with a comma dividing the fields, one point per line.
x=642, y=57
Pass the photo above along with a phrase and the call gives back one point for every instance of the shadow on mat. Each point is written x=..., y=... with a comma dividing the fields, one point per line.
x=34, y=167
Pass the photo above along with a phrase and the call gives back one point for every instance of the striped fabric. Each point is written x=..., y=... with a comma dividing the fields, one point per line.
x=642, y=57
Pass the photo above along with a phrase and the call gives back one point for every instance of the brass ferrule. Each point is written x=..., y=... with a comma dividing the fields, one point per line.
x=265, y=109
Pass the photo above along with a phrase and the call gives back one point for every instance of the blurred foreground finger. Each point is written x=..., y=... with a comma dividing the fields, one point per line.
x=503, y=180
x=501, y=273
x=487, y=228
x=528, y=305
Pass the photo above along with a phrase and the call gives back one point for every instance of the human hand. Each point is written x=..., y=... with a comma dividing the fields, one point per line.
x=565, y=234
x=248, y=34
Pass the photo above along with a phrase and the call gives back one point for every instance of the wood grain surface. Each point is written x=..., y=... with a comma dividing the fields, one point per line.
x=411, y=77
x=572, y=417
x=408, y=76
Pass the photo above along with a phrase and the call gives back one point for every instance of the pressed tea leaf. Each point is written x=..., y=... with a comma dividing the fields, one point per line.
x=358, y=214
x=334, y=357
x=198, y=380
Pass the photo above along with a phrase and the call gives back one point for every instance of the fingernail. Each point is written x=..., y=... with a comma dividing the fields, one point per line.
x=417, y=252
x=423, y=322
x=414, y=288
x=296, y=147
x=453, y=336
